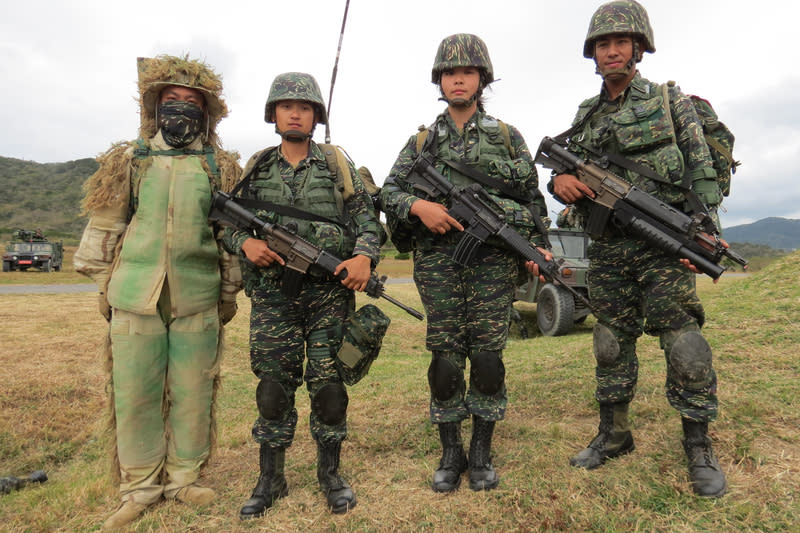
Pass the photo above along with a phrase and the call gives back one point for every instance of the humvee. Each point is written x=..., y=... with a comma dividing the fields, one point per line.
x=557, y=310
x=30, y=249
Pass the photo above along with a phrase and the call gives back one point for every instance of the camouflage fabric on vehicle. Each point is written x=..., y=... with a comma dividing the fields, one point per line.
x=621, y=16
x=462, y=50
x=295, y=86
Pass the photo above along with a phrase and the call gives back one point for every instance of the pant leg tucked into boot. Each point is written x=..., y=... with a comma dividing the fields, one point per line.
x=338, y=493
x=481, y=472
x=447, y=477
x=706, y=476
x=271, y=485
x=613, y=439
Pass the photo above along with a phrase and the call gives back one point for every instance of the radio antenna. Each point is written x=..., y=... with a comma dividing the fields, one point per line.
x=333, y=76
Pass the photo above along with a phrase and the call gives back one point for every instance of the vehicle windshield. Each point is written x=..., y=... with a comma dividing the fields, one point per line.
x=568, y=244
x=21, y=247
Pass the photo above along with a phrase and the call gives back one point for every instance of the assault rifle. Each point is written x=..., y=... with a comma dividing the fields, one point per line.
x=474, y=208
x=299, y=254
x=638, y=213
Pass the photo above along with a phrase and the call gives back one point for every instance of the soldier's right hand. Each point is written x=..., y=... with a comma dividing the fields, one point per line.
x=259, y=253
x=570, y=189
x=434, y=216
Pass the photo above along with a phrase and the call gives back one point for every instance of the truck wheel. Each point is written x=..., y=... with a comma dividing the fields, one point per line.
x=555, y=309
x=6, y=266
x=46, y=266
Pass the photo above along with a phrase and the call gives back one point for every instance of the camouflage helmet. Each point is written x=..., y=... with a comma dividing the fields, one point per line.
x=295, y=86
x=620, y=16
x=462, y=50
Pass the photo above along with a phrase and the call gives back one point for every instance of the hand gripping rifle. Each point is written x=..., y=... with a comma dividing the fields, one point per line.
x=299, y=254
x=474, y=208
x=638, y=213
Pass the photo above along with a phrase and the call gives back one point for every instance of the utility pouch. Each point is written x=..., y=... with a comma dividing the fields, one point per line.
x=363, y=336
x=597, y=220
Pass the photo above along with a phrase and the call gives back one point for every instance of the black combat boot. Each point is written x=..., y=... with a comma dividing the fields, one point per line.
x=704, y=470
x=481, y=472
x=338, y=493
x=613, y=438
x=447, y=477
x=271, y=485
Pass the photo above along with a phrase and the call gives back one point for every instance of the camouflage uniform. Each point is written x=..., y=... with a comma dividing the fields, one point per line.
x=468, y=307
x=284, y=330
x=634, y=287
x=166, y=284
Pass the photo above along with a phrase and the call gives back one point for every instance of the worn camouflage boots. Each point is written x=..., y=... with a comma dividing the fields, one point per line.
x=705, y=474
x=613, y=438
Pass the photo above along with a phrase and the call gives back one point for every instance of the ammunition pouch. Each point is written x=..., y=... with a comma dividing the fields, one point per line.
x=363, y=337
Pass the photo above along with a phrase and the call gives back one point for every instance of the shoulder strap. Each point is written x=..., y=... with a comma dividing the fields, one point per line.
x=507, y=138
x=338, y=163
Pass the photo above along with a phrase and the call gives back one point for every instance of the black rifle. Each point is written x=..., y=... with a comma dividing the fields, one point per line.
x=11, y=483
x=638, y=213
x=299, y=254
x=474, y=208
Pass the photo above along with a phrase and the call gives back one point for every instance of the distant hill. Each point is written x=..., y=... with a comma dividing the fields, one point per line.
x=43, y=195
x=775, y=232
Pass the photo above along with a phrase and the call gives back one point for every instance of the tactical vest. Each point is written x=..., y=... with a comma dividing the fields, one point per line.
x=168, y=237
x=318, y=193
x=491, y=153
x=641, y=131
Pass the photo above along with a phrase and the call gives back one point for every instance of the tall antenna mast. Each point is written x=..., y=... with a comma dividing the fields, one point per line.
x=335, y=69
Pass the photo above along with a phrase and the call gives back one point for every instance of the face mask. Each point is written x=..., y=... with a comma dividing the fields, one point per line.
x=180, y=122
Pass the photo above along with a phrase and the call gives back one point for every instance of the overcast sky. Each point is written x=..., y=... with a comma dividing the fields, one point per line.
x=68, y=72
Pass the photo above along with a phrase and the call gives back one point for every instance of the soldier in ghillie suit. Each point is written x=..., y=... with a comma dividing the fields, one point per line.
x=654, y=139
x=296, y=185
x=166, y=284
x=468, y=307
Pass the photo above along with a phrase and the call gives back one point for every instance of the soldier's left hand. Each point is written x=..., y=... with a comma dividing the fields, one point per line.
x=358, y=272
x=533, y=268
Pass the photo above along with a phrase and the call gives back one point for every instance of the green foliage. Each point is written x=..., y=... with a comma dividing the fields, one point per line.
x=402, y=256
x=43, y=195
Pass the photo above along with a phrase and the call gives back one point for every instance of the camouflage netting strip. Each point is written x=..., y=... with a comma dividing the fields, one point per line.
x=108, y=187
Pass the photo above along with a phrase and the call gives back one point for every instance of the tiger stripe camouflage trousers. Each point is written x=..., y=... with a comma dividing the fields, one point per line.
x=635, y=288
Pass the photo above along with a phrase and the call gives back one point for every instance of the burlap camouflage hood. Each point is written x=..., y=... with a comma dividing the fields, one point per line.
x=295, y=86
x=621, y=16
x=462, y=50
x=162, y=71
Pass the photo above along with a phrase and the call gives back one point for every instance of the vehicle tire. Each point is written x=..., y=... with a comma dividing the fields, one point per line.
x=46, y=266
x=6, y=266
x=555, y=309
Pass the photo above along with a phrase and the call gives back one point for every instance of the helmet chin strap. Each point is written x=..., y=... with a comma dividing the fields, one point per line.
x=622, y=72
x=294, y=136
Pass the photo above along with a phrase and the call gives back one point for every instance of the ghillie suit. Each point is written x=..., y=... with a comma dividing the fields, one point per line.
x=116, y=235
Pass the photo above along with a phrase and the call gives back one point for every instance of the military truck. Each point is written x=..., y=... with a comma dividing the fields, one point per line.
x=557, y=310
x=31, y=249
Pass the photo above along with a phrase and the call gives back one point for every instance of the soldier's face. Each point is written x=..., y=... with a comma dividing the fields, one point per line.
x=460, y=83
x=182, y=94
x=295, y=115
x=612, y=53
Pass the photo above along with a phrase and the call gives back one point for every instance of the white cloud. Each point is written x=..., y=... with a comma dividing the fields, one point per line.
x=69, y=72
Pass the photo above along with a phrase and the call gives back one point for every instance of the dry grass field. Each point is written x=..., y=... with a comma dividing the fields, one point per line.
x=52, y=406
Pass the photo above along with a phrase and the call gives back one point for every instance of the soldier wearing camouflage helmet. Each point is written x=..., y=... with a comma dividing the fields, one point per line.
x=654, y=139
x=295, y=184
x=468, y=307
x=166, y=284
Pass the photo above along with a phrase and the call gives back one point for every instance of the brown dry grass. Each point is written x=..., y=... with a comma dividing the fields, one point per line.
x=52, y=403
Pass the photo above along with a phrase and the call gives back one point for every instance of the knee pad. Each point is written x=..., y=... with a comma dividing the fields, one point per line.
x=487, y=372
x=329, y=403
x=443, y=378
x=271, y=399
x=605, y=344
x=690, y=356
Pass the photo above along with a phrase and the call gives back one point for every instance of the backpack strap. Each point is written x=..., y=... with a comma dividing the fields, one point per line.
x=423, y=135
